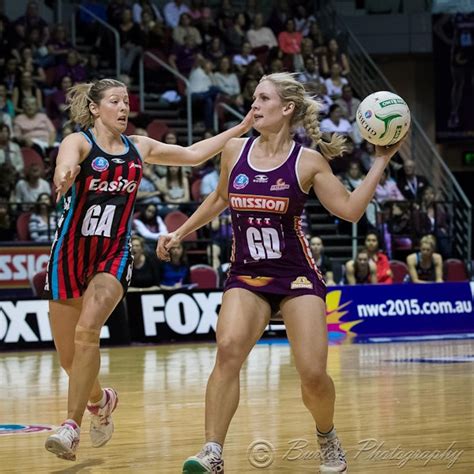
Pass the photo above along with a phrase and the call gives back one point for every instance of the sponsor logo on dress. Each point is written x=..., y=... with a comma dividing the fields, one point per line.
x=118, y=161
x=260, y=178
x=100, y=164
x=241, y=181
x=135, y=165
x=118, y=186
x=280, y=185
x=258, y=281
x=247, y=202
x=301, y=282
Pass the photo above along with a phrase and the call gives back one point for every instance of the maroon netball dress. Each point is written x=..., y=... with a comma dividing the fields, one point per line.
x=270, y=253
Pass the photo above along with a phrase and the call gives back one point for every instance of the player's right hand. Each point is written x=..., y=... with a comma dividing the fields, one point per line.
x=63, y=179
x=165, y=243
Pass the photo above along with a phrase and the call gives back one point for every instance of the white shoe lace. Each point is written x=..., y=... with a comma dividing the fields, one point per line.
x=67, y=433
x=210, y=457
x=332, y=452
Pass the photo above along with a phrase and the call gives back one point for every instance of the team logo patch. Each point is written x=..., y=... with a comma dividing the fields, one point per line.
x=247, y=202
x=280, y=185
x=301, y=282
x=23, y=429
x=119, y=161
x=368, y=114
x=260, y=178
x=100, y=164
x=255, y=281
x=241, y=181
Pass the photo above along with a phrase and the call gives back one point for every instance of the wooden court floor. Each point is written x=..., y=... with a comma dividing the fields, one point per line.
x=401, y=408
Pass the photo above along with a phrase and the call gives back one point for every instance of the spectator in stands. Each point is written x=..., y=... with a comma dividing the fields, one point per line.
x=30, y=20
x=72, y=68
x=149, y=224
x=7, y=182
x=316, y=35
x=31, y=64
x=254, y=71
x=235, y=36
x=43, y=221
x=59, y=45
x=261, y=37
x=198, y=10
x=33, y=128
x=279, y=15
x=303, y=19
x=247, y=93
x=6, y=106
x=348, y=103
x=146, y=268
x=244, y=58
x=203, y=89
x=289, y=41
x=184, y=57
x=384, y=274
x=221, y=237
x=362, y=270
x=320, y=92
x=175, y=186
x=130, y=41
x=323, y=262
x=368, y=156
x=208, y=28
x=335, y=56
x=411, y=184
x=57, y=103
x=353, y=176
x=335, y=82
x=173, y=11
x=215, y=51
x=387, y=189
x=185, y=28
x=226, y=80
x=115, y=9
x=146, y=6
x=5, y=42
x=175, y=273
x=335, y=122
x=432, y=218
x=11, y=74
x=210, y=180
x=26, y=89
x=425, y=266
x=149, y=191
x=310, y=73
x=28, y=190
x=92, y=68
x=7, y=228
x=10, y=153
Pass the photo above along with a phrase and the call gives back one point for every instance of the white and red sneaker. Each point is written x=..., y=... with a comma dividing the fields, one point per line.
x=102, y=426
x=64, y=441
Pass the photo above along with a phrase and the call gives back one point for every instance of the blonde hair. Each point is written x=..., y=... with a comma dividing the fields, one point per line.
x=307, y=111
x=430, y=240
x=81, y=95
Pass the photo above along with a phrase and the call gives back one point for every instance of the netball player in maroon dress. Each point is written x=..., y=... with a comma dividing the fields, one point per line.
x=265, y=182
x=98, y=172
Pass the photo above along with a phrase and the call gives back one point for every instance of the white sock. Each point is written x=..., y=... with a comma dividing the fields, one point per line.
x=214, y=447
x=101, y=402
x=330, y=434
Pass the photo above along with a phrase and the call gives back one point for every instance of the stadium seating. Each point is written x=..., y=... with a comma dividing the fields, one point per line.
x=204, y=276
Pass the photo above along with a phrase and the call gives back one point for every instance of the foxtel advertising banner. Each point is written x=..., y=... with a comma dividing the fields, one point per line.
x=354, y=313
x=18, y=265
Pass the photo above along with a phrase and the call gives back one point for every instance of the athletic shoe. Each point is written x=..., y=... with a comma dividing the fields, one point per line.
x=205, y=461
x=333, y=458
x=102, y=426
x=65, y=441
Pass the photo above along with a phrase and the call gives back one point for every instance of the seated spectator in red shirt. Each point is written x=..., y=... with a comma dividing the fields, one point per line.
x=289, y=40
x=384, y=274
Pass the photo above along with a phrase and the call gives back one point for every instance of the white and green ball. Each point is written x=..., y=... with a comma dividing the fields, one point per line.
x=383, y=118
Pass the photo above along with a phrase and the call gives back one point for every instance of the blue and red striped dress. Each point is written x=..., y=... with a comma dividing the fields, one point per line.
x=94, y=230
x=270, y=253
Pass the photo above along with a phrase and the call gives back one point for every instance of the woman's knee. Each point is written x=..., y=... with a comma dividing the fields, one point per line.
x=314, y=377
x=230, y=353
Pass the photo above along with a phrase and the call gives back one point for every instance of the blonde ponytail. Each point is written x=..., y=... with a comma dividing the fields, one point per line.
x=310, y=121
x=81, y=95
x=307, y=111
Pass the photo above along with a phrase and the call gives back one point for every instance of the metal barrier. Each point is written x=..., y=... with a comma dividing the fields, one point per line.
x=189, y=104
x=103, y=23
x=366, y=78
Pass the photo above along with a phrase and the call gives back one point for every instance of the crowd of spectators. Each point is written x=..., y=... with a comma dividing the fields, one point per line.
x=223, y=51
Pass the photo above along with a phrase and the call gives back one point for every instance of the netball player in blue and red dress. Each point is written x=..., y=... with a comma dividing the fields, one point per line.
x=98, y=172
x=265, y=182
